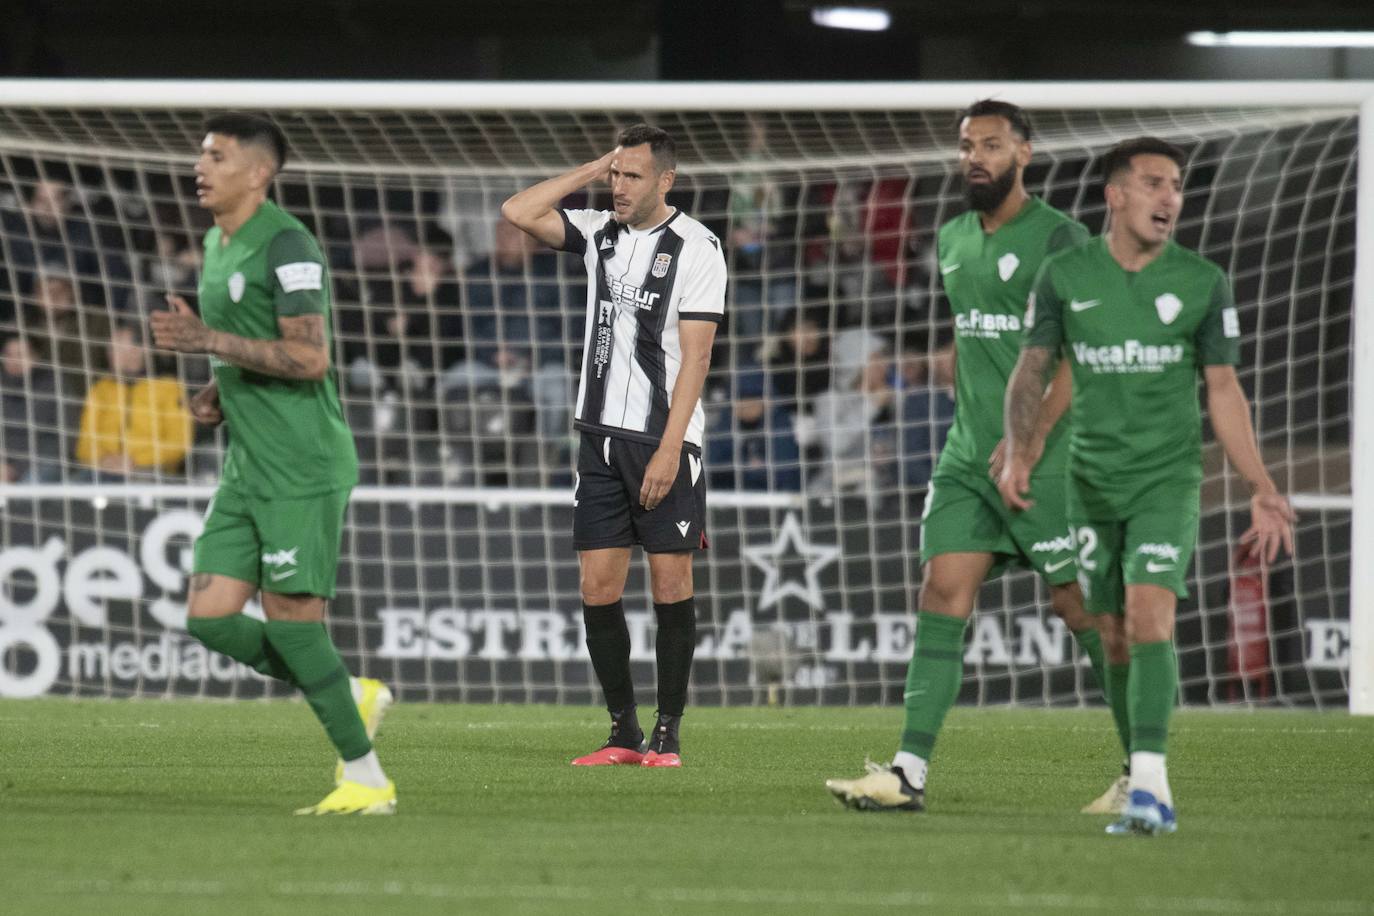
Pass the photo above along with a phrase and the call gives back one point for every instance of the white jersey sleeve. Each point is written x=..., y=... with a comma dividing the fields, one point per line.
x=579, y=226
x=702, y=294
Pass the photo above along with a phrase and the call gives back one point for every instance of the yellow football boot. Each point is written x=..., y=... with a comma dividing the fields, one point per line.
x=356, y=798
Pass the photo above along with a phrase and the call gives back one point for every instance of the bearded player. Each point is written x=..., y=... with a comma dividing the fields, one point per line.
x=1137, y=318
x=988, y=257
x=276, y=520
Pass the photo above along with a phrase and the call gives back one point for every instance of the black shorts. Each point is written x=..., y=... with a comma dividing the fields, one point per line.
x=606, y=507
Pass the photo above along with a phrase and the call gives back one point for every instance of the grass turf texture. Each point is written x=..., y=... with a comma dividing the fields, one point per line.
x=175, y=807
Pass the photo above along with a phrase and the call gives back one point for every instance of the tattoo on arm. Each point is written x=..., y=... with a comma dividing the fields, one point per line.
x=1025, y=391
x=298, y=354
x=200, y=582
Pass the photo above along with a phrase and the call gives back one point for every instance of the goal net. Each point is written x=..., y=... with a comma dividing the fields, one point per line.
x=457, y=347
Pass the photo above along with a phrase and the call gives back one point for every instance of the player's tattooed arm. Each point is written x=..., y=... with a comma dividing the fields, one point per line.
x=1025, y=394
x=300, y=352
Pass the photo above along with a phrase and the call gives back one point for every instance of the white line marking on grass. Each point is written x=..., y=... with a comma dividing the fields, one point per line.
x=726, y=895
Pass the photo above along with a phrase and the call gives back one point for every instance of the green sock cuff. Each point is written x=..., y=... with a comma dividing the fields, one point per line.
x=941, y=627
x=1151, y=650
x=1089, y=640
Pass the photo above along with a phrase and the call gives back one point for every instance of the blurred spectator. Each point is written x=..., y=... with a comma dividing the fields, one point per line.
x=51, y=229
x=515, y=376
x=752, y=446
x=848, y=429
x=926, y=412
x=406, y=330
x=63, y=331
x=174, y=267
x=132, y=422
x=31, y=411
x=799, y=360
x=759, y=245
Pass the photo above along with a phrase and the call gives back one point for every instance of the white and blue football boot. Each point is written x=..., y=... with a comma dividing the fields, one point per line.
x=1144, y=815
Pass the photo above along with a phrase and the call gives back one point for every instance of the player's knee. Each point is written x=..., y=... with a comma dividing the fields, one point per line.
x=941, y=596
x=1067, y=602
x=599, y=588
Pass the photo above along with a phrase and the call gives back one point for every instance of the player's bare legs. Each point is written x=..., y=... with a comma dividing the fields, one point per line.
x=1149, y=628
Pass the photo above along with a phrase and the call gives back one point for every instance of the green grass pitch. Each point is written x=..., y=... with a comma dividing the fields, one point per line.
x=185, y=807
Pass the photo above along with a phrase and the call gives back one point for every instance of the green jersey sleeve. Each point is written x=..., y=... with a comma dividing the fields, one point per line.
x=1067, y=235
x=1044, y=313
x=1217, y=342
x=297, y=274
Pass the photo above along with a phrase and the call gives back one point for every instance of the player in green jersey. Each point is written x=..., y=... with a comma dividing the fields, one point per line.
x=275, y=522
x=988, y=257
x=1137, y=317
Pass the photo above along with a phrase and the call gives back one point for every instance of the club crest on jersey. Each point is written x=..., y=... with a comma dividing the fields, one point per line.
x=1168, y=306
x=1006, y=266
x=236, y=285
x=661, y=262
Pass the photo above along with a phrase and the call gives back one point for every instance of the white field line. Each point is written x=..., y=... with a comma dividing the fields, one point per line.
x=739, y=896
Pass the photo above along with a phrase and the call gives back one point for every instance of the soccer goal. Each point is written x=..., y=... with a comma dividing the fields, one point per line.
x=457, y=348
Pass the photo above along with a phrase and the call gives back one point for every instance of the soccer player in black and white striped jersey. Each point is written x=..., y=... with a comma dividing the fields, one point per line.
x=655, y=295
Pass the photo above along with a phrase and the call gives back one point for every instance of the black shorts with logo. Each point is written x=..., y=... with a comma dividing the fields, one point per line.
x=606, y=507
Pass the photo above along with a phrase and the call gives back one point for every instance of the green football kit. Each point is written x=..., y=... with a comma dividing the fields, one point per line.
x=277, y=518
x=1136, y=342
x=987, y=278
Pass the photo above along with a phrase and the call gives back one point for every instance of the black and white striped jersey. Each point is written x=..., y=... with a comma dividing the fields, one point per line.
x=640, y=285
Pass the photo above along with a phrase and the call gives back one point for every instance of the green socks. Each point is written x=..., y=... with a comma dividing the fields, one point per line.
x=1118, y=697
x=323, y=679
x=932, y=680
x=243, y=639
x=1150, y=690
x=1111, y=680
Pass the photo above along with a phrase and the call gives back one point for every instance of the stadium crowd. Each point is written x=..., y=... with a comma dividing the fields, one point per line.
x=457, y=342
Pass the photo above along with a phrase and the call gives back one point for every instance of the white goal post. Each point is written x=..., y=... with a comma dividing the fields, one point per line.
x=351, y=140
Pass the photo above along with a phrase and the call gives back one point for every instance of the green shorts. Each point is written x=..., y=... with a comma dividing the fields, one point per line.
x=285, y=546
x=964, y=514
x=1151, y=547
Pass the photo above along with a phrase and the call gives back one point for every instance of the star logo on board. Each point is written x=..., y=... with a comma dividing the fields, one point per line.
x=791, y=541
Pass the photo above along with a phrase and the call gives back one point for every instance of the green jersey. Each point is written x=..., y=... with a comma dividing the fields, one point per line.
x=1136, y=342
x=987, y=278
x=287, y=438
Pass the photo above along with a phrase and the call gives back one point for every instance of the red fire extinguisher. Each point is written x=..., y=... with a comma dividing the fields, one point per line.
x=1247, y=638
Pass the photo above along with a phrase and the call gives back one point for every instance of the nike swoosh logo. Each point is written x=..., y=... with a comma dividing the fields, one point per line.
x=1152, y=566
x=946, y=271
x=912, y=693
x=1077, y=306
x=1055, y=567
x=278, y=576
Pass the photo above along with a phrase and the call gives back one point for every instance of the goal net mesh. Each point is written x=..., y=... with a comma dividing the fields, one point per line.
x=457, y=347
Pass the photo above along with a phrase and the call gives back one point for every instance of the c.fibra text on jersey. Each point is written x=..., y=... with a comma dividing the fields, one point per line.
x=984, y=324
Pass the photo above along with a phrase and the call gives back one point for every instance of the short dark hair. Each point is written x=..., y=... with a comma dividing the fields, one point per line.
x=246, y=127
x=661, y=145
x=995, y=108
x=1118, y=159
